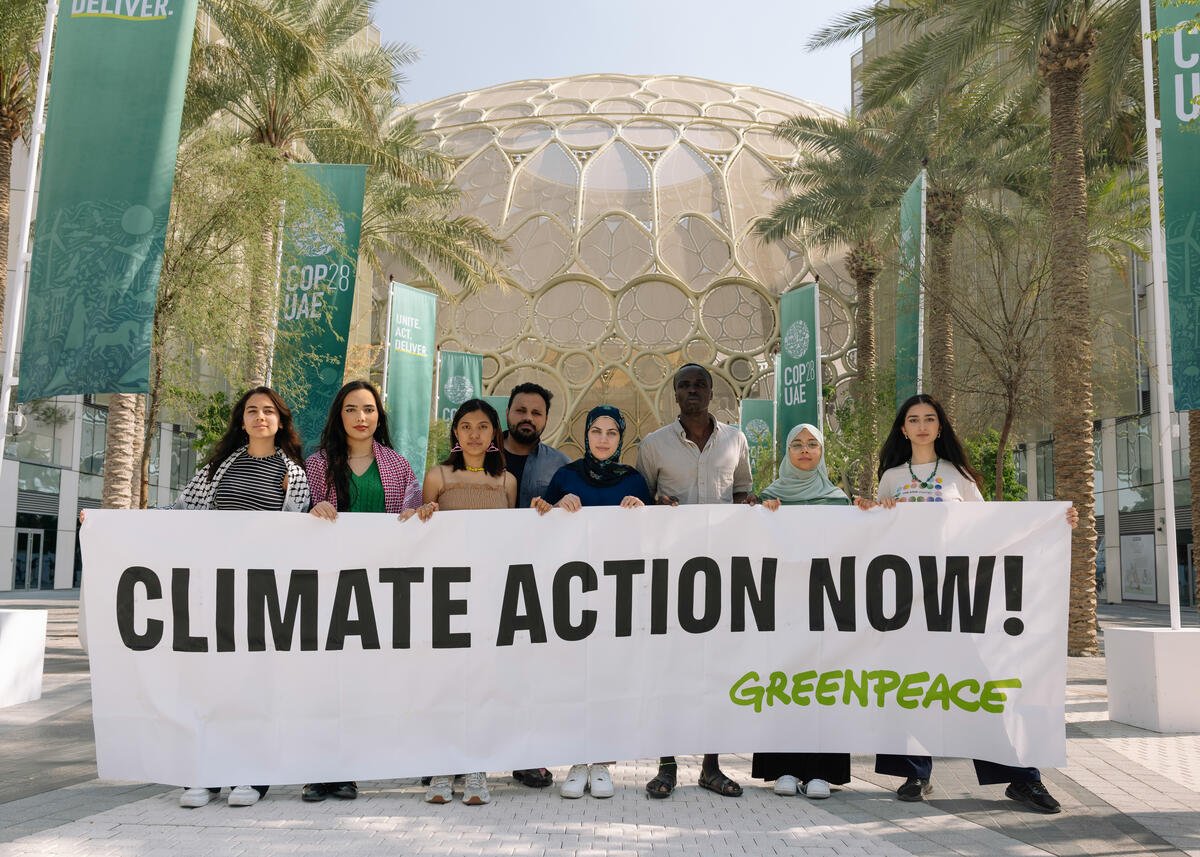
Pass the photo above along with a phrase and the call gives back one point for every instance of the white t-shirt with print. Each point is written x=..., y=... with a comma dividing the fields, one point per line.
x=947, y=484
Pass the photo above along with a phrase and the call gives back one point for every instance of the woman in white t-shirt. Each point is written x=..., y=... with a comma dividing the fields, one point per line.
x=922, y=461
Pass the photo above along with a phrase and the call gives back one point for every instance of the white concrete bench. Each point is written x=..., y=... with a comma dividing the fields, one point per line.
x=22, y=655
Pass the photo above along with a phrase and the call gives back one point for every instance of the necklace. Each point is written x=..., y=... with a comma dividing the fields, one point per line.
x=471, y=469
x=924, y=483
x=364, y=455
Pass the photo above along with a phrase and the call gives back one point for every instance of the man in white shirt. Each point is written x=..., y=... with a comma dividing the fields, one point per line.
x=695, y=459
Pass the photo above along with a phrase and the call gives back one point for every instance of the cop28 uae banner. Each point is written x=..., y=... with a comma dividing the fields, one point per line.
x=798, y=373
x=460, y=377
x=408, y=381
x=1179, y=84
x=116, y=100
x=320, y=253
x=277, y=648
x=910, y=295
x=758, y=425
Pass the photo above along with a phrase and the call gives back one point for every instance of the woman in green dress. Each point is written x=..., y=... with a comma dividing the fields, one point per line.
x=803, y=481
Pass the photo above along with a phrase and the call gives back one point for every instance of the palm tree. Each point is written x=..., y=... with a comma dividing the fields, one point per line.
x=20, y=29
x=1081, y=52
x=293, y=76
x=843, y=193
x=976, y=140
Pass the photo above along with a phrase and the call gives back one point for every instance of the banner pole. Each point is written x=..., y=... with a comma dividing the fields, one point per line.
x=16, y=290
x=387, y=340
x=1162, y=382
x=921, y=286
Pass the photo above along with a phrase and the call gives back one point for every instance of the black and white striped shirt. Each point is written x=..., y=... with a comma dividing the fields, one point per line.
x=253, y=484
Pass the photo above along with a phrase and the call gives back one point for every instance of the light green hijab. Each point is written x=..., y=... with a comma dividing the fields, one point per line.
x=804, y=486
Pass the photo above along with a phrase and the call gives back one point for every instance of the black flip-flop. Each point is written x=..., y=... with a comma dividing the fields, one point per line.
x=720, y=784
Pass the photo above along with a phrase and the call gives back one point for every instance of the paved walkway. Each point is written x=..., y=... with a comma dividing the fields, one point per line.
x=1124, y=791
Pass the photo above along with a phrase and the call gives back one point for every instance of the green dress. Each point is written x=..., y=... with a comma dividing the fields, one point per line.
x=366, y=491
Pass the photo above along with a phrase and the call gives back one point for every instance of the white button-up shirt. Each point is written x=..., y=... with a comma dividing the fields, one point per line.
x=675, y=466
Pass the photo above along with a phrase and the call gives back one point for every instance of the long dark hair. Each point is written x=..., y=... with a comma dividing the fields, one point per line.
x=493, y=462
x=235, y=435
x=337, y=449
x=897, y=449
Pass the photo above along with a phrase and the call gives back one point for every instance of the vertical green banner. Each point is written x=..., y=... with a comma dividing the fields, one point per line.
x=408, y=385
x=460, y=377
x=798, y=376
x=910, y=297
x=320, y=253
x=758, y=425
x=500, y=403
x=1178, y=84
x=112, y=132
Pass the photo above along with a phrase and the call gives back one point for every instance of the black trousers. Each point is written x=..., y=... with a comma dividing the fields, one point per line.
x=988, y=773
x=830, y=767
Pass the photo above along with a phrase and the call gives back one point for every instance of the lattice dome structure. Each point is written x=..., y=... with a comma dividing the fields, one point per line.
x=629, y=205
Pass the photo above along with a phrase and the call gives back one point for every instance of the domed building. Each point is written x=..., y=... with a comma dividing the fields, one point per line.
x=629, y=205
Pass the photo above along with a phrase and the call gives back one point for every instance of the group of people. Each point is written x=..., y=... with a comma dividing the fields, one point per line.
x=258, y=465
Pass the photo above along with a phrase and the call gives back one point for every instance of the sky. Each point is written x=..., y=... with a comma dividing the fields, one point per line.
x=473, y=44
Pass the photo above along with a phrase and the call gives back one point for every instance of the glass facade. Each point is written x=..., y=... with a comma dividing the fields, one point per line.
x=629, y=204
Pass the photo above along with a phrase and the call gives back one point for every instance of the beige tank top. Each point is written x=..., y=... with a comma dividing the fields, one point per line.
x=466, y=496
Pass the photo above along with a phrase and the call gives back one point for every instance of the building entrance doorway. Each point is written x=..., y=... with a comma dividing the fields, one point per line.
x=27, y=559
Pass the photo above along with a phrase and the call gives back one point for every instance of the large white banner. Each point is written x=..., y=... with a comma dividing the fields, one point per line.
x=278, y=648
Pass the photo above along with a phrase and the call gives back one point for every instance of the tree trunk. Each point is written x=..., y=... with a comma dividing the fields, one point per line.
x=943, y=215
x=1063, y=63
x=119, y=451
x=6, y=147
x=1002, y=447
x=136, y=442
x=152, y=421
x=862, y=262
x=263, y=302
x=1194, y=476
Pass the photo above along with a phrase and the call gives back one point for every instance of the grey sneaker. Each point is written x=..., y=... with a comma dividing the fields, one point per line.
x=441, y=790
x=475, y=793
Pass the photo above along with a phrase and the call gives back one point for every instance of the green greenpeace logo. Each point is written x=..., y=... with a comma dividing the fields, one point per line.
x=863, y=688
x=125, y=10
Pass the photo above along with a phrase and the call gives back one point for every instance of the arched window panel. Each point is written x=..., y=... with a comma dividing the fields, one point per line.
x=649, y=133
x=540, y=249
x=711, y=137
x=689, y=89
x=525, y=137
x=672, y=107
x=500, y=95
x=563, y=107
x=771, y=263
x=510, y=111
x=687, y=181
x=617, y=179
x=482, y=182
x=596, y=88
x=763, y=141
x=739, y=317
x=656, y=315
x=573, y=313
x=491, y=319
x=466, y=143
x=586, y=133
x=616, y=249
x=696, y=250
x=738, y=113
x=614, y=106
x=546, y=183
x=751, y=185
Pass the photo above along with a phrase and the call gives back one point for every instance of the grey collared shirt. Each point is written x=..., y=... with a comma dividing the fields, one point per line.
x=675, y=466
x=540, y=466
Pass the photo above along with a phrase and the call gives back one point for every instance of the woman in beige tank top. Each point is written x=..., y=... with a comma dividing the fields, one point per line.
x=473, y=476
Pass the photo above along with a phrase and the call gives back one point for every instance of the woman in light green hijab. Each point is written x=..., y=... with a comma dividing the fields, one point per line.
x=803, y=481
x=803, y=478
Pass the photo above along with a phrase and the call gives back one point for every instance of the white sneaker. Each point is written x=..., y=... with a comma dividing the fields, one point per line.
x=441, y=790
x=195, y=797
x=576, y=782
x=815, y=789
x=243, y=796
x=600, y=781
x=476, y=792
x=786, y=785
